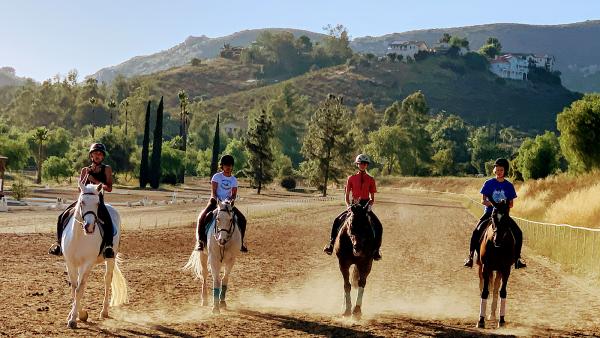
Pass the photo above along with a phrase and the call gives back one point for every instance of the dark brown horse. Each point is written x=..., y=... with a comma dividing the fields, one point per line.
x=355, y=244
x=496, y=254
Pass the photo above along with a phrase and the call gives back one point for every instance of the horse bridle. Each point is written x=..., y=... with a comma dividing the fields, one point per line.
x=229, y=231
x=96, y=219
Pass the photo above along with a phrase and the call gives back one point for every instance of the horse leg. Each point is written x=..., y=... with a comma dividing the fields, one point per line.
x=227, y=270
x=484, y=295
x=495, y=281
x=83, y=273
x=505, y=276
x=108, y=276
x=345, y=269
x=363, y=272
x=215, y=268
x=71, y=318
x=204, y=263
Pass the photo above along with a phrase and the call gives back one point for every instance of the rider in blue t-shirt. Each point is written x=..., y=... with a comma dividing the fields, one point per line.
x=498, y=189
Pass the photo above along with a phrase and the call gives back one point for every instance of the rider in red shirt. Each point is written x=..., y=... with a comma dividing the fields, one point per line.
x=362, y=187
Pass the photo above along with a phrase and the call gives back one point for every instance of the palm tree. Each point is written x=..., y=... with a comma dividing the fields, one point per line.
x=93, y=103
x=111, y=105
x=125, y=103
x=41, y=135
x=183, y=116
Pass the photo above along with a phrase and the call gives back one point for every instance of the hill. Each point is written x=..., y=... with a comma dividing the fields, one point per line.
x=8, y=77
x=576, y=46
x=454, y=85
x=201, y=47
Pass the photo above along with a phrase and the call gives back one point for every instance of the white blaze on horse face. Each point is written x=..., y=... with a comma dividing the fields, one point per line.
x=224, y=226
x=88, y=207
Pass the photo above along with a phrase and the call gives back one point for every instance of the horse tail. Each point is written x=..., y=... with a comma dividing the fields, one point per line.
x=355, y=276
x=118, y=285
x=193, y=264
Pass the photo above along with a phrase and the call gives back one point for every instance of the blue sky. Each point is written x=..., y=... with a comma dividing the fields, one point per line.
x=43, y=38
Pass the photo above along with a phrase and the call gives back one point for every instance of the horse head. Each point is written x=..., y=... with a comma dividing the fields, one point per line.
x=224, y=226
x=359, y=230
x=500, y=222
x=87, y=206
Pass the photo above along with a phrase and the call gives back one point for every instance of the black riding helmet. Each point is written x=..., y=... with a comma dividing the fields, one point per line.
x=97, y=147
x=226, y=160
x=502, y=162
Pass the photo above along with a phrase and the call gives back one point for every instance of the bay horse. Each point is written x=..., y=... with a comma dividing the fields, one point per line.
x=496, y=254
x=81, y=243
x=355, y=245
x=223, y=245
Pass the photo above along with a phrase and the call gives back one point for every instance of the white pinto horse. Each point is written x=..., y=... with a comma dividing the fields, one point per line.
x=81, y=242
x=224, y=242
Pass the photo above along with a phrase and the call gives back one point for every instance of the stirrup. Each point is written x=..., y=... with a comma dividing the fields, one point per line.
x=109, y=252
x=199, y=246
x=520, y=264
x=243, y=248
x=328, y=249
x=377, y=255
x=469, y=262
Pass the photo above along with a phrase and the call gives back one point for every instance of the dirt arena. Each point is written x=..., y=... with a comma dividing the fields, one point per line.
x=286, y=286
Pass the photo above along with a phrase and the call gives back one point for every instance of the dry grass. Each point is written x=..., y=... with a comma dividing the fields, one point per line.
x=562, y=199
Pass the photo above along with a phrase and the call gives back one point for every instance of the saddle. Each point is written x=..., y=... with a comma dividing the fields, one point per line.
x=70, y=211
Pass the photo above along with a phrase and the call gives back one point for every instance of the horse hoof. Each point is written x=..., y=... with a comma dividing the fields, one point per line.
x=216, y=311
x=104, y=315
x=480, y=325
x=72, y=324
x=356, y=313
x=83, y=315
x=501, y=322
x=347, y=313
x=223, y=305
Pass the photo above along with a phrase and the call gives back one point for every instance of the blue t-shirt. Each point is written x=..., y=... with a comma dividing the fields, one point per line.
x=499, y=191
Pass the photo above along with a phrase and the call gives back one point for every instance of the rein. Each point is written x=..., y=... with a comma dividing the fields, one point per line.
x=229, y=232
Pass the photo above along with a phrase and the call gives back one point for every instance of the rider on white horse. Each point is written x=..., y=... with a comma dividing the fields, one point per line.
x=224, y=186
x=96, y=173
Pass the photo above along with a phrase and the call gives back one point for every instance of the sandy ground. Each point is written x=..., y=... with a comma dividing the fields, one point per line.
x=287, y=287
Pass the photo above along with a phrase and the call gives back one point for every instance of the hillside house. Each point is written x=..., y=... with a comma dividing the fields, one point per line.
x=235, y=127
x=407, y=48
x=516, y=65
x=231, y=52
x=444, y=47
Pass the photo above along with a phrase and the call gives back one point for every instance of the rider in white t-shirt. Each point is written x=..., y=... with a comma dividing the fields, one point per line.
x=223, y=187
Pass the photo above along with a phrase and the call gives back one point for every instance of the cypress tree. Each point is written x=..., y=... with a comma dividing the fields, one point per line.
x=215, y=149
x=144, y=174
x=260, y=155
x=155, y=172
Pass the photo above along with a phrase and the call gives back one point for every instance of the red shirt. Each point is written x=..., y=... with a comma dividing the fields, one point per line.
x=361, y=184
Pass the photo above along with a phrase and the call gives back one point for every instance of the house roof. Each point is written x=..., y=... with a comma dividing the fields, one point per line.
x=411, y=42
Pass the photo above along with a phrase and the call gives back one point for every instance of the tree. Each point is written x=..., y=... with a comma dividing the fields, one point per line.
x=491, y=48
x=327, y=142
x=386, y=145
x=455, y=41
x=366, y=118
x=144, y=170
x=125, y=106
x=196, y=62
x=17, y=151
x=41, y=135
x=483, y=148
x=155, y=167
x=216, y=148
x=171, y=162
x=449, y=136
x=579, y=126
x=445, y=38
x=237, y=149
x=183, y=119
x=111, y=106
x=93, y=103
x=56, y=168
x=539, y=157
x=260, y=155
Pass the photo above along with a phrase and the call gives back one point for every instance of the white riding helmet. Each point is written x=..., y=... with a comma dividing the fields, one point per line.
x=362, y=158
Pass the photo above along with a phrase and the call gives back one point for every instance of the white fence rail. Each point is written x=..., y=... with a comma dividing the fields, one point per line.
x=575, y=248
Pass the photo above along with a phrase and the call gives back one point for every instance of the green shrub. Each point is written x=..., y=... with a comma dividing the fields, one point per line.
x=288, y=183
x=19, y=190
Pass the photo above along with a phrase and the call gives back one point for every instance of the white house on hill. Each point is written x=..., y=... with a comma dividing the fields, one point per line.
x=516, y=65
x=407, y=48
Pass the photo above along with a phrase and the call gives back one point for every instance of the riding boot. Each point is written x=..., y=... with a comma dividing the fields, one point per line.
x=476, y=237
x=335, y=228
x=205, y=217
x=469, y=261
x=378, y=232
x=518, y=235
x=56, y=249
x=241, y=223
x=107, y=228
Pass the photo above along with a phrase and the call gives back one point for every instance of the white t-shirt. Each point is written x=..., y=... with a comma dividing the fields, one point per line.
x=225, y=184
